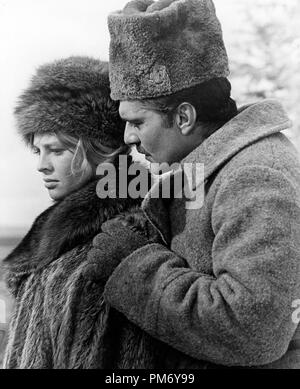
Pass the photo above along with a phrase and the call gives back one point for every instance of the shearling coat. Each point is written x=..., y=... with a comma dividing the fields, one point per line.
x=224, y=290
x=60, y=319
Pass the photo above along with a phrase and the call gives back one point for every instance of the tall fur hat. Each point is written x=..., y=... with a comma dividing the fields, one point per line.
x=158, y=48
x=71, y=95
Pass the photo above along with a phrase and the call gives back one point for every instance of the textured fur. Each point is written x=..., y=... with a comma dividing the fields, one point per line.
x=158, y=48
x=60, y=318
x=62, y=227
x=71, y=95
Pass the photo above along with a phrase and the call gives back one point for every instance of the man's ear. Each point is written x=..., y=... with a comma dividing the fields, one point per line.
x=186, y=118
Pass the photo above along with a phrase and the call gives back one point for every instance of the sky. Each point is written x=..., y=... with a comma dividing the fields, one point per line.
x=34, y=32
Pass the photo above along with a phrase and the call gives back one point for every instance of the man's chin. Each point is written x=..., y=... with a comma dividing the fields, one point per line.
x=159, y=168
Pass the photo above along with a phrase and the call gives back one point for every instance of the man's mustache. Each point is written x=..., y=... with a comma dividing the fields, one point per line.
x=141, y=150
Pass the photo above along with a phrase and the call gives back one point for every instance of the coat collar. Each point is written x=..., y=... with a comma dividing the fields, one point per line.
x=253, y=122
x=65, y=225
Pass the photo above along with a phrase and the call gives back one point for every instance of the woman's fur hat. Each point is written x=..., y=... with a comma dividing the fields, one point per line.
x=158, y=48
x=71, y=95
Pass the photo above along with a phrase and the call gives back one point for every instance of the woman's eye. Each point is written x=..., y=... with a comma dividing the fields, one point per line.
x=35, y=151
x=57, y=151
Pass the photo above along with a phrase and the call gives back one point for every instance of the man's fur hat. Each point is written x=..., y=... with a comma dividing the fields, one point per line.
x=158, y=48
x=71, y=95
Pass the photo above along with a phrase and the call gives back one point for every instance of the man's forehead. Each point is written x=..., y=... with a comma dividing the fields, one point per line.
x=131, y=109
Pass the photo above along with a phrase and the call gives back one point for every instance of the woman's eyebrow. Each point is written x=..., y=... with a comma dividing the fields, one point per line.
x=49, y=145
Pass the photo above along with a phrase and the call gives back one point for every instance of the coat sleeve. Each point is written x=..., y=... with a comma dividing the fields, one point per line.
x=242, y=315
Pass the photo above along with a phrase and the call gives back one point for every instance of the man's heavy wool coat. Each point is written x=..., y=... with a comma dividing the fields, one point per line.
x=60, y=319
x=224, y=292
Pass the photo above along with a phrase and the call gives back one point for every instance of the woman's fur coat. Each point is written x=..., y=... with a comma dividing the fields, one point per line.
x=60, y=319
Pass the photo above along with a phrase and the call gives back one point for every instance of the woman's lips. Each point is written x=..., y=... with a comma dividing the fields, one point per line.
x=51, y=184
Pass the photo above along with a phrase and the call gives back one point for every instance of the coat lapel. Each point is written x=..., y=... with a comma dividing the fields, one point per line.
x=253, y=122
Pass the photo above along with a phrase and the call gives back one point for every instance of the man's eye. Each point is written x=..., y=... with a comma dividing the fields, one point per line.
x=136, y=125
x=35, y=151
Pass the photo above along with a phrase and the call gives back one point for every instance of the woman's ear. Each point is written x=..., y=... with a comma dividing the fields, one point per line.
x=186, y=118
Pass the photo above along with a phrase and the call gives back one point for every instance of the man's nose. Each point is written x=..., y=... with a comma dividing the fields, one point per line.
x=44, y=164
x=131, y=137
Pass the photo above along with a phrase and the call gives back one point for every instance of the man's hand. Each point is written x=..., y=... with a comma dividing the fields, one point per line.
x=118, y=239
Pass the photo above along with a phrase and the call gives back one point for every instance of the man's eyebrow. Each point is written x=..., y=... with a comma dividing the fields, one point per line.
x=134, y=121
x=124, y=116
x=131, y=120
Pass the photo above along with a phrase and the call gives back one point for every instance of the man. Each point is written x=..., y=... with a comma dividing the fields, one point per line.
x=224, y=290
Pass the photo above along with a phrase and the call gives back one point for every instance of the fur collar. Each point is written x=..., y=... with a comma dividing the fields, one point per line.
x=71, y=222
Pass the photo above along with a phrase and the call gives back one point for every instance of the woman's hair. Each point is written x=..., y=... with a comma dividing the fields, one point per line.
x=88, y=152
x=211, y=100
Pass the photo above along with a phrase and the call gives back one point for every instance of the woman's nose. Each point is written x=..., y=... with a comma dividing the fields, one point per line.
x=130, y=136
x=44, y=164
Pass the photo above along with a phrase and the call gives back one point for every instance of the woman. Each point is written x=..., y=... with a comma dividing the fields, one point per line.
x=60, y=318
